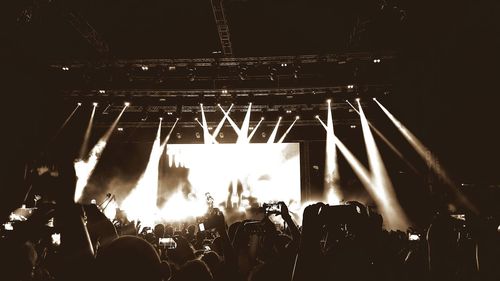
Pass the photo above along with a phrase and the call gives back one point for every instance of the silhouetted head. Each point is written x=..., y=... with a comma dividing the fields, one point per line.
x=159, y=230
x=128, y=258
x=194, y=270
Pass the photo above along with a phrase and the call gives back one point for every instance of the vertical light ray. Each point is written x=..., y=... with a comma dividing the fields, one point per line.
x=275, y=132
x=206, y=134
x=243, y=136
x=331, y=166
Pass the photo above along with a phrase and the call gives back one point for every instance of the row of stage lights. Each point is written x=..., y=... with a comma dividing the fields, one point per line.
x=288, y=111
x=242, y=67
x=297, y=117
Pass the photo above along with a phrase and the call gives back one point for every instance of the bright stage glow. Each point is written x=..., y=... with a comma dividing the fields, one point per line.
x=383, y=191
x=140, y=204
x=94, y=104
x=264, y=172
x=127, y=103
x=428, y=157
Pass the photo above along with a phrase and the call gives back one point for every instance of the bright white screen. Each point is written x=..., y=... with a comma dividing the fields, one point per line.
x=265, y=172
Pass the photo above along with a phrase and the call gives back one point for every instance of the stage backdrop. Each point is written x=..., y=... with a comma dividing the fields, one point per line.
x=241, y=174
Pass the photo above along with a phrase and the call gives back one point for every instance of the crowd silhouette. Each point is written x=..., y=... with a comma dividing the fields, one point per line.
x=62, y=240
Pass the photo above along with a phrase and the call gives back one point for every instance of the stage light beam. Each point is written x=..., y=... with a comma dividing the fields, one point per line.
x=84, y=167
x=275, y=132
x=86, y=137
x=140, y=204
x=255, y=129
x=331, y=179
x=428, y=157
x=287, y=131
x=386, y=141
x=384, y=192
x=243, y=135
x=65, y=123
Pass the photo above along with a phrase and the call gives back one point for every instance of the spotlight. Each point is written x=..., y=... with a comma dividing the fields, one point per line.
x=297, y=117
x=358, y=99
x=376, y=61
x=79, y=104
x=288, y=111
x=197, y=134
x=127, y=103
x=221, y=135
x=353, y=126
x=328, y=100
x=224, y=91
x=169, y=113
x=283, y=64
x=350, y=86
x=144, y=67
x=196, y=119
x=263, y=134
x=102, y=91
x=261, y=118
x=65, y=68
x=94, y=104
x=120, y=129
x=280, y=118
x=375, y=99
x=317, y=116
x=178, y=135
x=161, y=118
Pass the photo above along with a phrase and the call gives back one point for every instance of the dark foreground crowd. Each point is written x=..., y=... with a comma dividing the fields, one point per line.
x=62, y=240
